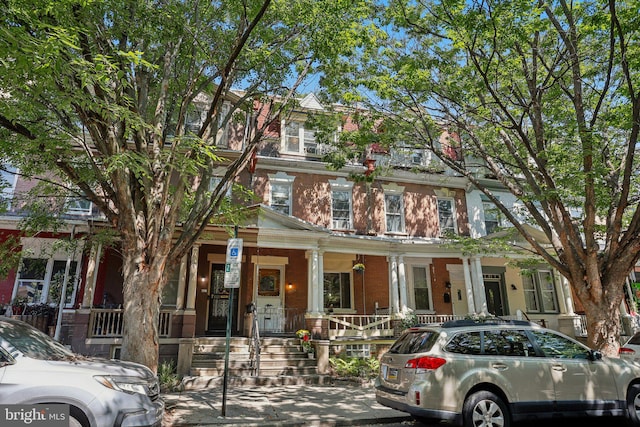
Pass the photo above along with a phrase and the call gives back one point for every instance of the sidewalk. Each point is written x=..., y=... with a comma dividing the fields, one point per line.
x=292, y=405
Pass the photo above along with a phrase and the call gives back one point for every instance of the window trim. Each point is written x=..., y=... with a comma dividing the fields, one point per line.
x=394, y=191
x=342, y=185
x=441, y=231
x=282, y=179
x=538, y=292
x=412, y=281
x=349, y=274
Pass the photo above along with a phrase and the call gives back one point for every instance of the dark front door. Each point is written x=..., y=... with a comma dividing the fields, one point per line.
x=219, y=302
x=493, y=292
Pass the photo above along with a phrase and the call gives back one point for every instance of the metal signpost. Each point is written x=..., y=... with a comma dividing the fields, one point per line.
x=231, y=281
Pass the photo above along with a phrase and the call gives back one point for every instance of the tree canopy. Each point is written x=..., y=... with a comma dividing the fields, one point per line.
x=541, y=96
x=101, y=97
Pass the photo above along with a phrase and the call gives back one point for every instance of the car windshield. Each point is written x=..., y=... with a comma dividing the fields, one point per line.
x=414, y=342
x=33, y=343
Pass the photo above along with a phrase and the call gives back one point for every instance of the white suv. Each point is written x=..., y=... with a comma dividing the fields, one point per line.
x=36, y=370
x=488, y=374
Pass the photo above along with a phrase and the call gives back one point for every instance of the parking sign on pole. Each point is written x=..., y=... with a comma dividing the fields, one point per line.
x=232, y=267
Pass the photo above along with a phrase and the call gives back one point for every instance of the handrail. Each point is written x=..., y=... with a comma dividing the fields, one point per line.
x=254, y=343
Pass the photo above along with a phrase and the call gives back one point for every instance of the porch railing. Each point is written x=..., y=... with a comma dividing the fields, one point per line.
x=436, y=319
x=359, y=326
x=108, y=323
x=279, y=319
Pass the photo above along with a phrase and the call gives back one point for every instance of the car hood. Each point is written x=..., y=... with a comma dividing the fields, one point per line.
x=98, y=367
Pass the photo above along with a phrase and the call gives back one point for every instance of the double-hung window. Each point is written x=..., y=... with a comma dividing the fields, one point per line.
x=281, y=189
x=394, y=211
x=421, y=295
x=8, y=178
x=491, y=216
x=446, y=216
x=341, y=204
x=540, y=291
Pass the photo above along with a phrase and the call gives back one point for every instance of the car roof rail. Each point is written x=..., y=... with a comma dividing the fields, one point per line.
x=487, y=321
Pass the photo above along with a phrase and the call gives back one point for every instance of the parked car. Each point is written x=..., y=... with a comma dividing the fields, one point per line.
x=631, y=348
x=492, y=373
x=35, y=369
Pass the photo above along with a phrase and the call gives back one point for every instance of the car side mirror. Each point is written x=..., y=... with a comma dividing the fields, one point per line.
x=594, y=355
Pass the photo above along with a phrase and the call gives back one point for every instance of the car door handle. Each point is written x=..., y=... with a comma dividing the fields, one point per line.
x=499, y=366
x=559, y=368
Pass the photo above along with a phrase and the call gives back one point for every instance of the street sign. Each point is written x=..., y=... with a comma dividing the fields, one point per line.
x=232, y=267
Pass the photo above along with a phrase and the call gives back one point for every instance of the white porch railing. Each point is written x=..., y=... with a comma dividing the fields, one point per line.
x=108, y=323
x=359, y=326
x=436, y=319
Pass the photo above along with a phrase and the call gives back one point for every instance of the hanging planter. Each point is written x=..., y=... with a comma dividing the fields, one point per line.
x=359, y=267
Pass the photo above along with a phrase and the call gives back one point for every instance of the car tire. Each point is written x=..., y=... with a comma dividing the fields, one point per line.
x=485, y=409
x=77, y=418
x=633, y=405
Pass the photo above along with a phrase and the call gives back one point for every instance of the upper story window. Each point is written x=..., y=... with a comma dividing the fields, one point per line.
x=341, y=204
x=78, y=206
x=446, y=216
x=394, y=208
x=281, y=190
x=8, y=179
x=216, y=180
x=491, y=216
x=540, y=291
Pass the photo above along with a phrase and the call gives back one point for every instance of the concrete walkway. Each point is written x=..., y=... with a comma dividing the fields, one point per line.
x=290, y=405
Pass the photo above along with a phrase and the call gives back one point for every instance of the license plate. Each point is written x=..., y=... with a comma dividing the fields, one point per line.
x=392, y=374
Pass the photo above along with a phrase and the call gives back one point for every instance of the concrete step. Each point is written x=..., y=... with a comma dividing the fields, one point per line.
x=200, y=382
x=248, y=371
x=301, y=362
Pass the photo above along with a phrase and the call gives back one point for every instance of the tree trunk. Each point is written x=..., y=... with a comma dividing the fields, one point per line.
x=603, y=320
x=142, y=299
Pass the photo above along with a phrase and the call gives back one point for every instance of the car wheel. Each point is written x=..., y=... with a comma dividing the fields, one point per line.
x=633, y=405
x=74, y=422
x=485, y=409
x=77, y=418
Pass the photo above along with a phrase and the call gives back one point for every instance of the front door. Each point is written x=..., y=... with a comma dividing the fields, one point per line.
x=493, y=293
x=219, y=302
x=269, y=293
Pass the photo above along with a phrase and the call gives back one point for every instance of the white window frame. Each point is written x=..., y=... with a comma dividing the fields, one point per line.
x=341, y=185
x=76, y=206
x=394, y=191
x=532, y=285
x=216, y=179
x=490, y=210
x=10, y=176
x=285, y=181
x=46, y=281
x=454, y=227
x=222, y=129
x=412, y=281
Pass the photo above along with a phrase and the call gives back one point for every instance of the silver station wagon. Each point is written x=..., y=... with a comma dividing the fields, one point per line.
x=492, y=373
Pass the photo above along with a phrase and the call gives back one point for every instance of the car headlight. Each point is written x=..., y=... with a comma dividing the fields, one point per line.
x=129, y=385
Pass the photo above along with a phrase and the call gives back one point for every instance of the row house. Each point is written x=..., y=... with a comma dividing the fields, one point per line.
x=346, y=258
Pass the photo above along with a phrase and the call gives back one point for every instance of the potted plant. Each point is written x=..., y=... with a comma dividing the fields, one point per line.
x=359, y=267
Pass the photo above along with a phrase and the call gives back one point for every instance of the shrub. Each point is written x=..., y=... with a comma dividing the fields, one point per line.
x=355, y=366
x=168, y=377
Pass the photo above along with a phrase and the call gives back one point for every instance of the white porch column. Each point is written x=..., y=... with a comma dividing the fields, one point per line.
x=481, y=301
x=402, y=277
x=468, y=286
x=193, y=278
x=92, y=275
x=312, y=281
x=394, y=304
x=568, y=299
x=182, y=283
x=319, y=308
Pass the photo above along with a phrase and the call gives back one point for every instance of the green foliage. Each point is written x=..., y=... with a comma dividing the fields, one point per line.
x=409, y=320
x=168, y=378
x=355, y=366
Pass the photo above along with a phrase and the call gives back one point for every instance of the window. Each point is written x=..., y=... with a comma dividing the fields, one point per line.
x=281, y=187
x=341, y=209
x=292, y=137
x=508, y=343
x=421, y=288
x=41, y=280
x=559, y=347
x=214, y=183
x=394, y=210
x=491, y=217
x=337, y=290
x=8, y=178
x=540, y=291
x=78, y=206
x=222, y=132
x=465, y=343
x=362, y=351
x=446, y=216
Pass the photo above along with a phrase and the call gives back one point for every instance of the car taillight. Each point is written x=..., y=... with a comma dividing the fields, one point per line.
x=425, y=363
x=627, y=351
